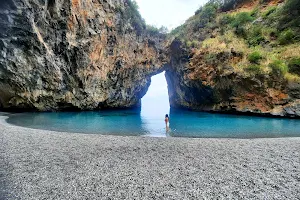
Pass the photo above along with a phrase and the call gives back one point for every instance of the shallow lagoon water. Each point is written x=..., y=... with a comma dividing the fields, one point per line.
x=149, y=120
x=183, y=123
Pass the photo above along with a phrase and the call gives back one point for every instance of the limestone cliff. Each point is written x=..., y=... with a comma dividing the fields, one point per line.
x=241, y=56
x=74, y=54
x=240, y=61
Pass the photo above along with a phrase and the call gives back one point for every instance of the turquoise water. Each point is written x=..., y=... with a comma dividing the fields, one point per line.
x=149, y=121
x=182, y=124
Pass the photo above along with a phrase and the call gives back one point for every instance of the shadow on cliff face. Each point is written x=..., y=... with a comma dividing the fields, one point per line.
x=184, y=92
x=51, y=7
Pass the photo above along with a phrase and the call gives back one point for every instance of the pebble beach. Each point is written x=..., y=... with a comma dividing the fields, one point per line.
x=41, y=164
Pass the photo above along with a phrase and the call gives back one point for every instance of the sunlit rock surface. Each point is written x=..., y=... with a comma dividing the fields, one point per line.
x=86, y=55
x=198, y=84
x=73, y=54
x=224, y=59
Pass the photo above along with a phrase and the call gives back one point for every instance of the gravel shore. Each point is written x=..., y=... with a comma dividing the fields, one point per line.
x=39, y=164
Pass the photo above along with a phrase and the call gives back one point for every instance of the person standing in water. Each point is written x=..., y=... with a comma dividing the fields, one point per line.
x=167, y=122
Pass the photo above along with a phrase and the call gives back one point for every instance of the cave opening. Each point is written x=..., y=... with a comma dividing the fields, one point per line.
x=156, y=100
x=155, y=104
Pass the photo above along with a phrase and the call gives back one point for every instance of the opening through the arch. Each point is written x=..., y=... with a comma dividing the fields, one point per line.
x=155, y=105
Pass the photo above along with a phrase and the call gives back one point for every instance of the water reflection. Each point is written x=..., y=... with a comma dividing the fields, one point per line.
x=121, y=122
x=200, y=124
x=151, y=123
x=149, y=120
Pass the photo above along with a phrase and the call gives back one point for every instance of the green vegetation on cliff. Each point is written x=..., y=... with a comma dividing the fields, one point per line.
x=132, y=14
x=266, y=33
x=238, y=56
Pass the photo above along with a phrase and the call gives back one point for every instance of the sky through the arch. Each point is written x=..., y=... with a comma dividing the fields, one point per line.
x=168, y=13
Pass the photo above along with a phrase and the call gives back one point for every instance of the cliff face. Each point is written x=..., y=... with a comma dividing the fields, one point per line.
x=86, y=54
x=73, y=54
x=198, y=84
x=239, y=61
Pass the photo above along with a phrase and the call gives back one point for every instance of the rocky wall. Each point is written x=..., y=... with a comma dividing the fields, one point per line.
x=73, y=55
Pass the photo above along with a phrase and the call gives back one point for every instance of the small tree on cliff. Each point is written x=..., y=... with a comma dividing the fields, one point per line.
x=132, y=13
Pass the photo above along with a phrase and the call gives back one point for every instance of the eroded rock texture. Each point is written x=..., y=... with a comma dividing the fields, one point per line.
x=73, y=54
x=198, y=83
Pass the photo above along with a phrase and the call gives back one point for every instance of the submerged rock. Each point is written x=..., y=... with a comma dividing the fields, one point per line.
x=74, y=54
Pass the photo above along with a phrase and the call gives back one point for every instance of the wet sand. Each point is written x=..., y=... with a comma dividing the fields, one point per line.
x=39, y=164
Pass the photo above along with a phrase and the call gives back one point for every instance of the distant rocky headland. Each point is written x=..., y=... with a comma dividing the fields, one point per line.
x=240, y=56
